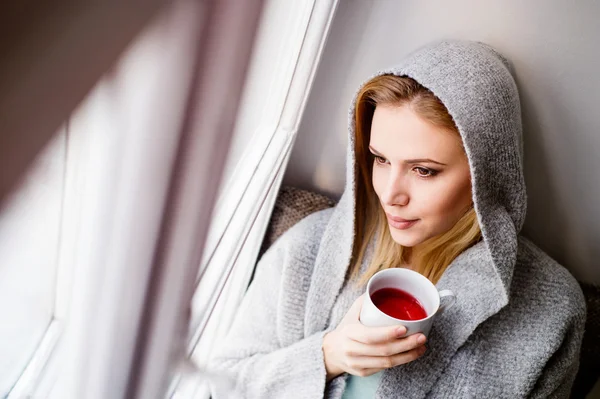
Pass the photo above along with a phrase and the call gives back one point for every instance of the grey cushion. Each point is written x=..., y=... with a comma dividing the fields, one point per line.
x=291, y=206
x=589, y=366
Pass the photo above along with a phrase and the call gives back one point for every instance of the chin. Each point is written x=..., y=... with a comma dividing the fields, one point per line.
x=405, y=239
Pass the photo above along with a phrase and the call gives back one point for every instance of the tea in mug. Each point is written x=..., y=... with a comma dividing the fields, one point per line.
x=398, y=304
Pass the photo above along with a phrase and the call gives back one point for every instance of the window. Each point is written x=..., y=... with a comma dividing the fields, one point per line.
x=287, y=50
x=135, y=178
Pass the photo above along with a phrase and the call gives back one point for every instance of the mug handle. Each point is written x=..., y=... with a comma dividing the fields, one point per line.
x=452, y=299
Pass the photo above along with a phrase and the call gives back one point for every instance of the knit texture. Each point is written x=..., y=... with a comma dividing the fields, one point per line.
x=517, y=324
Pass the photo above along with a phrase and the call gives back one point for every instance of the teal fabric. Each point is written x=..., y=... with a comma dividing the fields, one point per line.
x=361, y=387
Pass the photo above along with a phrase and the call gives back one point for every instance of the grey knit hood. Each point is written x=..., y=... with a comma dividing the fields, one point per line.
x=475, y=84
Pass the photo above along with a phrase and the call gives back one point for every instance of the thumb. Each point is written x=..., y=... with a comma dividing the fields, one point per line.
x=356, y=307
x=352, y=315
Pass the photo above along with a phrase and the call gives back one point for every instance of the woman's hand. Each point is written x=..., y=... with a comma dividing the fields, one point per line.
x=359, y=350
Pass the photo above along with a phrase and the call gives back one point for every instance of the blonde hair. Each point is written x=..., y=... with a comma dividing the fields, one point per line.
x=435, y=254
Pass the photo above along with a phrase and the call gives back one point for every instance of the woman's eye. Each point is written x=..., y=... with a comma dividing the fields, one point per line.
x=380, y=160
x=422, y=172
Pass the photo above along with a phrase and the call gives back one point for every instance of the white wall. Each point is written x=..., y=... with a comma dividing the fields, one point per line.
x=553, y=46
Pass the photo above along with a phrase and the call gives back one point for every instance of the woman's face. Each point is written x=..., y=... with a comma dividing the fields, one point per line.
x=420, y=174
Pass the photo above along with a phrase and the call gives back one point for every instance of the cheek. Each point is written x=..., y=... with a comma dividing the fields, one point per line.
x=446, y=202
x=378, y=180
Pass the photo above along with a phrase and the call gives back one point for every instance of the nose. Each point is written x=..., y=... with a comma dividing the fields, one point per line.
x=396, y=191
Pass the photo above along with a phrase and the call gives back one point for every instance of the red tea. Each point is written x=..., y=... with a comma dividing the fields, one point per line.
x=398, y=304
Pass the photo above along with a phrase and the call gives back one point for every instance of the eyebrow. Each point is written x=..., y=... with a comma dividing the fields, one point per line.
x=408, y=161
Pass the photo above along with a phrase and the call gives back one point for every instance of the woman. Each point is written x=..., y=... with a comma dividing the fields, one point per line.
x=435, y=184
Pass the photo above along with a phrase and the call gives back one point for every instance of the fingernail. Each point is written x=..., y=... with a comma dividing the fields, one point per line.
x=421, y=339
x=401, y=331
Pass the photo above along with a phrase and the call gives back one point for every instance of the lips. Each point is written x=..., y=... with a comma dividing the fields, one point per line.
x=399, y=219
x=400, y=223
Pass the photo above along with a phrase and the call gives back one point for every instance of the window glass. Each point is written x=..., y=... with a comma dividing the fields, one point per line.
x=29, y=237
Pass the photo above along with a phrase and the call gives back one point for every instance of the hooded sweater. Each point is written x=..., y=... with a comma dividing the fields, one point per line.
x=516, y=327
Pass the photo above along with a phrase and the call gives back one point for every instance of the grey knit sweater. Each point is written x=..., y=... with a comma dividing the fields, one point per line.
x=517, y=325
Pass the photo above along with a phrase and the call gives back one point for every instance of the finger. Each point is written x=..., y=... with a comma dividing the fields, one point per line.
x=386, y=362
x=389, y=348
x=374, y=335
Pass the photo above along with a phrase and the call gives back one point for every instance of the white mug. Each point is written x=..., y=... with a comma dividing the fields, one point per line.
x=413, y=283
